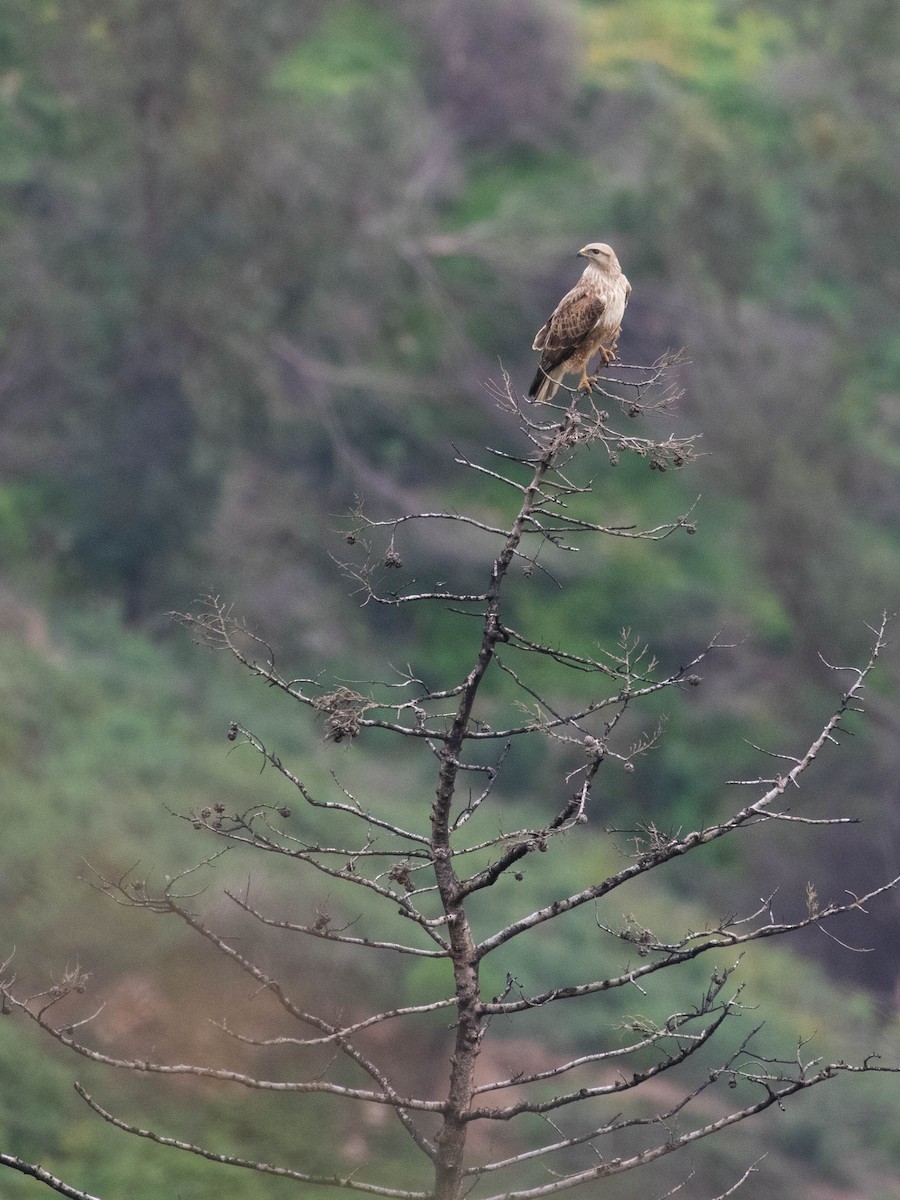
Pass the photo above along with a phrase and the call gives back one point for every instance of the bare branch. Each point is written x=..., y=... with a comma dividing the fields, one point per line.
x=222, y=1075
x=751, y=1170
x=672, y=955
x=231, y=1160
x=616, y=1166
x=674, y=1028
x=684, y=1052
x=42, y=1175
x=322, y=931
x=678, y=846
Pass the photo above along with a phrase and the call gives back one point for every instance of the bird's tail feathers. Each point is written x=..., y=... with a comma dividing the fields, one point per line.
x=545, y=385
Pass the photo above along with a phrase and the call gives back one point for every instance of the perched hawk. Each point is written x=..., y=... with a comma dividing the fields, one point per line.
x=585, y=322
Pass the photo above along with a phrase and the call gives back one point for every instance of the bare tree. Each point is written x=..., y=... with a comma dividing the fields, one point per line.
x=435, y=870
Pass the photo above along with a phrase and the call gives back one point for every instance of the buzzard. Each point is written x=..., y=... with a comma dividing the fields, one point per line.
x=586, y=322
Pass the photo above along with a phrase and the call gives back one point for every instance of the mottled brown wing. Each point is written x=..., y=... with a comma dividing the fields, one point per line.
x=572, y=321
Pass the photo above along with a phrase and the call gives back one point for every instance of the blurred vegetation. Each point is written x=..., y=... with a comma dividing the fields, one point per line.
x=107, y=737
x=260, y=260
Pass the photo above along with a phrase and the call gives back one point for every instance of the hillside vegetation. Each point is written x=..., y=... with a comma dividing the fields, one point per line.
x=108, y=738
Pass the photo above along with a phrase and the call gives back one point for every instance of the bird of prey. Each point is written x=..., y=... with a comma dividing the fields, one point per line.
x=586, y=322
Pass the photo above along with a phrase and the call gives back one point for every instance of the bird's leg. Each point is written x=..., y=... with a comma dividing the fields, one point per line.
x=586, y=383
x=607, y=355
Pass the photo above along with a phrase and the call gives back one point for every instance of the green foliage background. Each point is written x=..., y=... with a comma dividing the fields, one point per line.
x=259, y=261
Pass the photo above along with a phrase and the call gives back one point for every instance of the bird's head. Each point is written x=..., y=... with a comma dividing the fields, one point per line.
x=600, y=255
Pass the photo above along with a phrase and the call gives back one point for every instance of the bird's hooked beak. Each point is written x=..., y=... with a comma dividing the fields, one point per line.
x=581, y=253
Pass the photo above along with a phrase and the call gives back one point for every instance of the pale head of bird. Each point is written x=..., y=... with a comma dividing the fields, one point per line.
x=601, y=256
